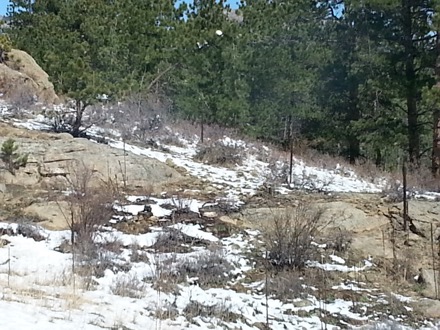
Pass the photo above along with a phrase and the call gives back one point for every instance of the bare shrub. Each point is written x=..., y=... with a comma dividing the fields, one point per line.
x=288, y=235
x=219, y=311
x=89, y=207
x=139, y=117
x=286, y=285
x=220, y=154
x=395, y=306
x=228, y=205
x=278, y=172
x=339, y=239
x=185, y=128
x=172, y=140
x=181, y=205
x=24, y=218
x=311, y=182
x=69, y=120
x=128, y=286
x=93, y=264
x=386, y=325
x=393, y=192
x=166, y=312
x=421, y=179
x=173, y=240
x=404, y=265
x=21, y=97
x=208, y=269
x=112, y=244
x=137, y=255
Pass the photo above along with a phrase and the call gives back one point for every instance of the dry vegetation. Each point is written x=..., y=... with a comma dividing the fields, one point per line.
x=217, y=153
x=288, y=235
x=89, y=207
x=148, y=120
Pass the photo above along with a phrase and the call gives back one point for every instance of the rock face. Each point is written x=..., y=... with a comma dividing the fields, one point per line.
x=428, y=308
x=22, y=74
x=52, y=160
x=431, y=281
x=51, y=157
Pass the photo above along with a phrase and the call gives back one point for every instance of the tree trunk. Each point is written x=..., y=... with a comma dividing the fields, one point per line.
x=354, y=146
x=80, y=107
x=202, y=130
x=435, y=157
x=378, y=158
x=411, y=88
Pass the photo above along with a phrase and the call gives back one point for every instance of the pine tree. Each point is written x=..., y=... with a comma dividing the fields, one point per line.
x=285, y=53
x=211, y=87
x=11, y=158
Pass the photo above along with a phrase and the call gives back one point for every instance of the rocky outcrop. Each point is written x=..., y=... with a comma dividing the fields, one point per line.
x=51, y=157
x=21, y=74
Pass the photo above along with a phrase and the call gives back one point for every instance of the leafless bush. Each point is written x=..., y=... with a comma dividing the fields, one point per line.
x=404, y=265
x=208, y=269
x=386, y=325
x=89, y=207
x=185, y=128
x=128, y=286
x=228, y=205
x=139, y=117
x=93, y=263
x=137, y=255
x=113, y=245
x=288, y=235
x=62, y=120
x=286, y=285
x=219, y=311
x=21, y=97
x=220, y=154
x=339, y=239
x=173, y=240
x=22, y=218
x=395, y=305
x=166, y=312
x=421, y=179
x=393, y=192
x=311, y=182
x=181, y=205
x=172, y=140
x=278, y=173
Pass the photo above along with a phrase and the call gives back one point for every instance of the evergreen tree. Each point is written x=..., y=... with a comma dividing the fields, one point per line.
x=285, y=54
x=211, y=86
x=96, y=47
x=11, y=158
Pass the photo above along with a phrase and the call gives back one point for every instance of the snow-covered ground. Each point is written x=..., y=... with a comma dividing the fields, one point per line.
x=38, y=290
x=241, y=180
x=41, y=291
